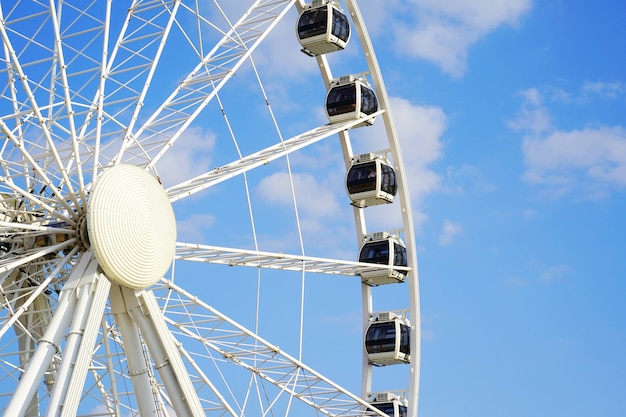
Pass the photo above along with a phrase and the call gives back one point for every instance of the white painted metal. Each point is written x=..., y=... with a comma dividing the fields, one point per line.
x=405, y=206
x=143, y=309
x=273, y=260
x=131, y=225
x=412, y=391
x=74, y=108
x=49, y=344
x=259, y=158
x=80, y=340
x=138, y=368
x=237, y=344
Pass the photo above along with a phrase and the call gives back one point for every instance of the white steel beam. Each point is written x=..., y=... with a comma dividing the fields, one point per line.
x=259, y=158
x=49, y=343
x=405, y=208
x=144, y=310
x=167, y=358
x=80, y=341
x=240, y=346
x=273, y=260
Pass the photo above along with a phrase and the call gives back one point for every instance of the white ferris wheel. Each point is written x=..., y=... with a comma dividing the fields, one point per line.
x=104, y=310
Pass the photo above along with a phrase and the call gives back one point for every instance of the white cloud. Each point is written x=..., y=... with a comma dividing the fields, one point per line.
x=280, y=52
x=589, y=91
x=533, y=115
x=449, y=231
x=591, y=160
x=555, y=273
x=316, y=200
x=604, y=89
x=193, y=228
x=590, y=157
x=443, y=30
x=458, y=178
x=420, y=130
x=189, y=157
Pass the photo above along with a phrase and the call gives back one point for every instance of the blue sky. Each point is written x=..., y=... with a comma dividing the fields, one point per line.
x=510, y=114
x=521, y=235
x=511, y=118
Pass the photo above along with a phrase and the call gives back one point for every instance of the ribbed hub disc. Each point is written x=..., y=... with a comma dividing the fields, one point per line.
x=131, y=226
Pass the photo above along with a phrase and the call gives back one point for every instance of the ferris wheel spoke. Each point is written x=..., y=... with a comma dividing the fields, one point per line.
x=33, y=255
x=257, y=159
x=79, y=343
x=10, y=227
x=68, y=96
x=237, y=345
x=151, y=141
x=40, y=120
x=141, y=308
x=272, y=260
x=43, y=178
x=26, y=295
x=92, y=91
x=151, y=27
x=59, y=213
x=27, y=387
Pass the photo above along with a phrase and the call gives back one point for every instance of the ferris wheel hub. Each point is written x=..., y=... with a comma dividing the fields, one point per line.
x=131, y=226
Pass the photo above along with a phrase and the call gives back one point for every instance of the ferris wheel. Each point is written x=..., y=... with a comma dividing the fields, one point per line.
x=164, y=238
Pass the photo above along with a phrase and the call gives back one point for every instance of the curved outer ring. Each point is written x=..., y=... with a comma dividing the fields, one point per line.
x=405, y=206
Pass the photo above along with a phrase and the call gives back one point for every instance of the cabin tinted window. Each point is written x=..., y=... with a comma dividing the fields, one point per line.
x=405, y=339
x=381, y=337
x=388, y=180
x=369, y=103
x=399, y=255
x=312, y=23
x=341, y=29
x=386, y=408
x=341, y=100
x=375, y=253
x=362, y=178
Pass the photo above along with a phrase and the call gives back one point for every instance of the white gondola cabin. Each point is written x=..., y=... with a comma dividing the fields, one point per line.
x=390, y=404
x=384, y=249
x=323, y=28
x=350, y=98
x=388, y=340
x=370, y=181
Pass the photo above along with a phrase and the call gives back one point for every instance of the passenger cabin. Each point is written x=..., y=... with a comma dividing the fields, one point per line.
x=350, y=98
x=384, y=249
x=387, y=340
x=370, y=181
x=390, y=404
x=323, y=28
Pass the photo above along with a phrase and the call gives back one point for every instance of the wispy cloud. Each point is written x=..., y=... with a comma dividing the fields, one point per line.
x=193, y=228
x=554, y=273
x=590, y=91
x=590, y=156
x=588, y=160
x=420, y=132
x=533, y=116
x=604, y=89
x=442, y=31
x=514, y=282
x=449, y=231
x=190, y=156
x=315, y=199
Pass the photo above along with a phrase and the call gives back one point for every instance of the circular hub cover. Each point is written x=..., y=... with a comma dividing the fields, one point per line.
x=131, y=226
